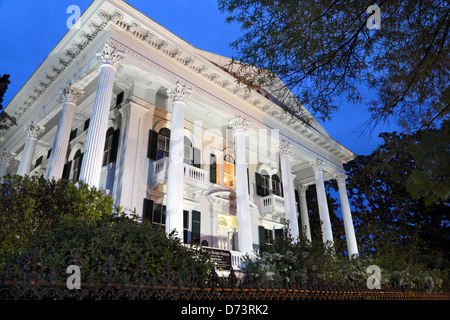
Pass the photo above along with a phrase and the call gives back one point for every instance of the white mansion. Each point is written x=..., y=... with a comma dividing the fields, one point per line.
x=126, y=106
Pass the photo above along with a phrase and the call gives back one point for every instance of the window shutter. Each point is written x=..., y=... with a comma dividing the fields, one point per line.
x=195, y=227
x=79, y=167
x=262, y=237
x=212, y=168
x=66, y=170
x=197, y=157
x=115, y=145
x=259, y=189
x=152, y=145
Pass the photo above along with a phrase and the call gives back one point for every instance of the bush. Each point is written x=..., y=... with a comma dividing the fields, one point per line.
x=63, y=218
x=125, y=239
x=309, y=262
x=31, y=206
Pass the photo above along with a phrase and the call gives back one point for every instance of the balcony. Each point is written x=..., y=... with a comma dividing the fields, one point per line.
x=272, y=207
x=193, y=176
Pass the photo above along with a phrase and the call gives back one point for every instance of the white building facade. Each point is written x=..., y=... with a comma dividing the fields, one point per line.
x=128, y=107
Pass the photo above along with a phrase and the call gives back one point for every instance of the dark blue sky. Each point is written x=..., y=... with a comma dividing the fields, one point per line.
x=31, y=29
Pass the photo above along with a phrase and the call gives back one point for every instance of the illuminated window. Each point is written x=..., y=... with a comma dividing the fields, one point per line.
x=228, y=172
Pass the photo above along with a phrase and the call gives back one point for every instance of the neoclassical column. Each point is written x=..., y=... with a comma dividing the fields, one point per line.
x=347, y=216
x=304, y=218
x=288, y=189
x=5, y=160
x=327, y=233
x=61, y=142
x=175, y=175
x=33, y=131
x=95, y=142
x=245, y=239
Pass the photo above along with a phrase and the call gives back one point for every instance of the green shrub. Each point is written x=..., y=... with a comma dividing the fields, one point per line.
x=125, y=239
x=30, y=206
x=306, y=261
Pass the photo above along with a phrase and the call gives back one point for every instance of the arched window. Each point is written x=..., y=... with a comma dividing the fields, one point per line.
x=77, y=160
x=265, y=183
x=228, y=171
x=107, y=151
x=163, y=143
x=276, y=185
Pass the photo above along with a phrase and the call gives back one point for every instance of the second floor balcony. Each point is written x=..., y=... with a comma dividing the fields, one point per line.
x=193, y=176
x=272, y=206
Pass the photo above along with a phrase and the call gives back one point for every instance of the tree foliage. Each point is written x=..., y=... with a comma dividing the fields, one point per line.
x=5, y=119
x=407, y=236
x=31, y=206
x=430, y=179
x=63, y=218
x=388, y=220
x=325, y=53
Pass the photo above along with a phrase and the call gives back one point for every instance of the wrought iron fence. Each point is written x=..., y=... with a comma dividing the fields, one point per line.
x=35, y=285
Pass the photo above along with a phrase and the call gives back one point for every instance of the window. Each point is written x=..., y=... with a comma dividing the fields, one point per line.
x=108, y=146
x=86, y=124
x=214, y=174
x=277, y=186
x=268, y=236
x=228, y=171
x=38, y=161
x=77, y=160
x=155, y=213
x=111, y=146
x=73, y=134
x=119, y=99
x=265, y=183
x=163, y=143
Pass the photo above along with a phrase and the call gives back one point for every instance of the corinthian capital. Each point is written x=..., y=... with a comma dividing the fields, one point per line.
x=72, y=94
x=33, y=130
x=180, y=93
x=285, y=148
x=341, y=177
x=317, y=166
x=6, y=157
x=111, y=55
x=302, y=189
x=238, y=123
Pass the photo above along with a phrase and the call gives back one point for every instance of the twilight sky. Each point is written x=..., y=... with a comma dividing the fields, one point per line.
x=30, y=29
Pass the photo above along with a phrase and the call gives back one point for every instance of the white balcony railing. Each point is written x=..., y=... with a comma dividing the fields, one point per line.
x=196, y=174
x=192, y=175
x=271, y=204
